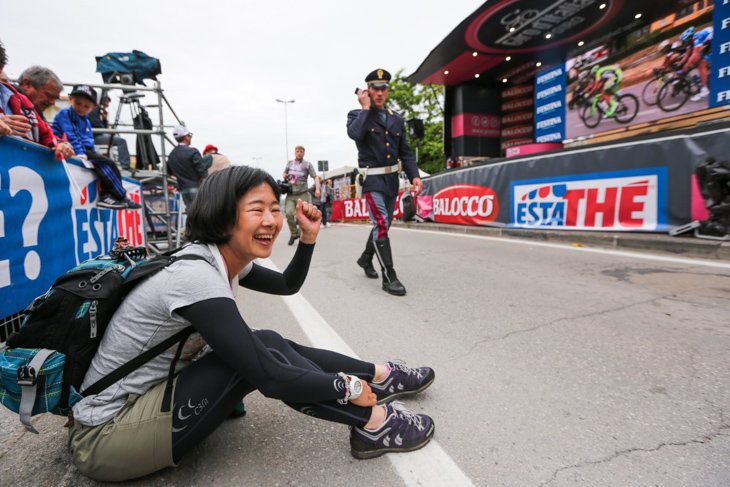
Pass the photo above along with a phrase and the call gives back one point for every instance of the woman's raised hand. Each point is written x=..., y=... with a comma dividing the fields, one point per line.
x=309, y=219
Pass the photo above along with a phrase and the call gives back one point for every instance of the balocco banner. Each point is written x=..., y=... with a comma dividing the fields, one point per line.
x=357, y=208
x=465, y=204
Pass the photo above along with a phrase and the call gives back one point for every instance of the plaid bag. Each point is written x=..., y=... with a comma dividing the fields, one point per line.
x=19, y=371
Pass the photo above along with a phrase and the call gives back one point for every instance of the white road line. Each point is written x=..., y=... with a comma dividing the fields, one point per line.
x=429, y=466
x=676, y=260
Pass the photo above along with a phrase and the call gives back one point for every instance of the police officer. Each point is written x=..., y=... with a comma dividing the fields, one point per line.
x=380, y=136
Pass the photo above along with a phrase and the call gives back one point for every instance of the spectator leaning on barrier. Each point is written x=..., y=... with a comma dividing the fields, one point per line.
x=17, y=113
x=186, y=164
x=73, y=123
x=98, y=119
x=41, y=86
x=213, y=160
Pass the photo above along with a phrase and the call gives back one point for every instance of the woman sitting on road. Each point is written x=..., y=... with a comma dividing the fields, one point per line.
x=136, y=427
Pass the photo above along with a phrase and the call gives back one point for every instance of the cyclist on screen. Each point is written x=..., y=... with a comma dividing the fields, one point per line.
x=608, y=79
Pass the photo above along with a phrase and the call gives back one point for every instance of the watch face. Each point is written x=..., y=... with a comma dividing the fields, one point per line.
x=356, y=388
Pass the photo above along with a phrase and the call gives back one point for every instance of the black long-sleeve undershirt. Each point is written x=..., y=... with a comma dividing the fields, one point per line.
x=220, y=324
x=283, y=284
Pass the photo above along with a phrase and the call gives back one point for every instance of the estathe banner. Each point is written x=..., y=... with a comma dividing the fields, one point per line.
x=48, y=224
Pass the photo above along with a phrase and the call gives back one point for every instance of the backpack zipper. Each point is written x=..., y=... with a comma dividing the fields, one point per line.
x=106, y=271
x=92, y=317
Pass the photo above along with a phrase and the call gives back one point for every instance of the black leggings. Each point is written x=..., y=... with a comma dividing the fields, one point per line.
x=208, y=390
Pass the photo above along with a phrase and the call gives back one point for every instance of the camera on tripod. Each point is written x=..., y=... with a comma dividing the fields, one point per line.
x=128, y=68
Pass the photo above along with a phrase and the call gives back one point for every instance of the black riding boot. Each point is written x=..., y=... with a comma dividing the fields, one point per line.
x=366, y=259
x=391, y=284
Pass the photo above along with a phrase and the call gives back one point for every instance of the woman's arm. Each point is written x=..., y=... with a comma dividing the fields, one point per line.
x=284, y=284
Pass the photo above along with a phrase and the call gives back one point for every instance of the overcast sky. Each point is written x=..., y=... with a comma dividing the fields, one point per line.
x=224, y=63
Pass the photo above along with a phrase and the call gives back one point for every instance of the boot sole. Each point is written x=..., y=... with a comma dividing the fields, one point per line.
x=367, y=454
x=393, y=293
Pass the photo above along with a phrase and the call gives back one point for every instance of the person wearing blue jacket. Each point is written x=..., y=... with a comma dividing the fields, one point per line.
x=380, y=136
x=73, y=124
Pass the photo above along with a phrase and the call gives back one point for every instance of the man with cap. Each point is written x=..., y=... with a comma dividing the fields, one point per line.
x=213, y=160
x=186, y=164
x=380, y=136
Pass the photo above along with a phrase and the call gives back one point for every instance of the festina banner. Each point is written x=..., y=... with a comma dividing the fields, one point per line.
x=720, y=72
x=550, y=105
x=635, y=186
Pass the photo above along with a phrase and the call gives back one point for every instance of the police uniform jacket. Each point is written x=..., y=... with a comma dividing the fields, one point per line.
x=381, y=145
x=186, y=164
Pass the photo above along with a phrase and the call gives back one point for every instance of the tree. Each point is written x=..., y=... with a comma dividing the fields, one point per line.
x=427, y=103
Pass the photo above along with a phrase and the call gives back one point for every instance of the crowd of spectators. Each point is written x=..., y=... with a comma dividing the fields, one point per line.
x=70, y=134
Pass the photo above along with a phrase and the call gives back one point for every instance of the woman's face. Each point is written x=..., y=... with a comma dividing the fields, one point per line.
x=259, y=223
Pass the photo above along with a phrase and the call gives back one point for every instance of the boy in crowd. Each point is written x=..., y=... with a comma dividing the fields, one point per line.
x=74, y=124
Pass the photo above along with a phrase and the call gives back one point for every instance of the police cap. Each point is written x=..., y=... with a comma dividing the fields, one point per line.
x=378, y=78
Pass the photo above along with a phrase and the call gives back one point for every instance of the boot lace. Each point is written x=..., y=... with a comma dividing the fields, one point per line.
x=401, y=365
x=408, y=415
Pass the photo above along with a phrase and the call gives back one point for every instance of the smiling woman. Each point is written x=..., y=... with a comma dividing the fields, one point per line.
x=150, y=419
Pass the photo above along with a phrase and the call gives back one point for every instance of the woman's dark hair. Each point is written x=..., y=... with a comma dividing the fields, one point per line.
x=215, y=210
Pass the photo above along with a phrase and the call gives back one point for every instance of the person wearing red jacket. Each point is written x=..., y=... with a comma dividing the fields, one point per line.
x=26, y=123
x=18, y=113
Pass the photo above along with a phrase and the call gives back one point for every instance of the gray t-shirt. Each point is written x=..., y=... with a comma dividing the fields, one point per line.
x=145, y=318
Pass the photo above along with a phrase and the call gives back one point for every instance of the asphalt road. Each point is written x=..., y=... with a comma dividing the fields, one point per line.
x=554, y=367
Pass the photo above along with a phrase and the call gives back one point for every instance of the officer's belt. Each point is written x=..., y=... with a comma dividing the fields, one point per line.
x=379, y=171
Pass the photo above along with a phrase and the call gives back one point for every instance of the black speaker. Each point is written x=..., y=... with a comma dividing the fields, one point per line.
x=415, y=128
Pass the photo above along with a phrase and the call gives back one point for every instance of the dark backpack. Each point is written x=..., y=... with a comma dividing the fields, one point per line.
x=47, y=359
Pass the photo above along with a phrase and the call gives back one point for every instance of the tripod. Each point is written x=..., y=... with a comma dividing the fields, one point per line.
x=131, y=99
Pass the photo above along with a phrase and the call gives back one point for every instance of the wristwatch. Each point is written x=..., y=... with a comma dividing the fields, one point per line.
x=355, y=387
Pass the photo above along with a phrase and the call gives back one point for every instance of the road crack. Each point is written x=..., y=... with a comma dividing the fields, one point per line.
x=722, y=430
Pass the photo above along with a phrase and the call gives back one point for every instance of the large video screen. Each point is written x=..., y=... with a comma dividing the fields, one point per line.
x=658, y=72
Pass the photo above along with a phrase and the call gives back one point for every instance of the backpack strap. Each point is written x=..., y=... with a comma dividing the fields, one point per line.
x=27, y=377
x=153, y=352
x=137, y=362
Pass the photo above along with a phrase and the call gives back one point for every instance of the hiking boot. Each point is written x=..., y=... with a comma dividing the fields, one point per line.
x=109, y=201
x=402, y=380
x=402, y=431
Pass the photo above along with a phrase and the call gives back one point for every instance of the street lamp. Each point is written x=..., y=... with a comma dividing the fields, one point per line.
x=286, y=126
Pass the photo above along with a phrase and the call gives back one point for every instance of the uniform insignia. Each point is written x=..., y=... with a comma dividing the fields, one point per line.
x=380, y=74
x=390, y=111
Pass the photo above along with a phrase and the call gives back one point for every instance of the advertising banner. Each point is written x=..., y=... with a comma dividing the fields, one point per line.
x=550, y=105
x=720, y=75
x=517, y=127
x=616, y=200
x=635, y=186
x=357, y=208
x=49, y=221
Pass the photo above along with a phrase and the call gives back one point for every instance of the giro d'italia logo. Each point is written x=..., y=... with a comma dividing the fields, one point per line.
x=516, y=26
